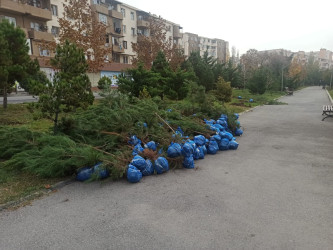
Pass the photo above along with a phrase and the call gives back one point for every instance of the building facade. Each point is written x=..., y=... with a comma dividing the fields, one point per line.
x=39, y=20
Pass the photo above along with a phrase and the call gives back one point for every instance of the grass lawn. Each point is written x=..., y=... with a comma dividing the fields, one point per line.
x=244, y=103
x=14, y=185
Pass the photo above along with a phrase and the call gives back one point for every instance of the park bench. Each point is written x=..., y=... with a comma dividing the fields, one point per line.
x=289, y=91
x=328, y=111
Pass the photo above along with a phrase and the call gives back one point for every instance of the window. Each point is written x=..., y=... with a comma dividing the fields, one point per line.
x=44, y=52
x=55, y=31
x=132, y=15
x=125, y=44
x=11, y=20
x=35, y=26
x=54, y=10
x=103, y=18
x=125, y=59
x=133, y=31
x=124, y=29
x=122, y=10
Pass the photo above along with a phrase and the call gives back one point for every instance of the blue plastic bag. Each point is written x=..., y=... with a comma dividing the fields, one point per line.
x=233, y=145
x=101, y=173
x=151, y=145
x=251, y=100
x=236, y=115
x=139, y=162
x=188, y=162
x=137, y=149
x=180, y=131
x=149, y=170
x=223, y=116
x=133, y=174
x=212, y=147
x=161, y=165
x=84, y=174
x=238, y=132
x=224, y=144
x=204, y=149
x=201, y=152
x=192, y=143
x=216, y=138
x=174, y=150
x=196, y=153
x=134, y=140
x=227, y=135
x=199, y=140
x=187, y=149
x=218, y=127
x=239, y=97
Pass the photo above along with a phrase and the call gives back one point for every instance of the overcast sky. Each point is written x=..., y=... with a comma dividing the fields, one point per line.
x=260, y=24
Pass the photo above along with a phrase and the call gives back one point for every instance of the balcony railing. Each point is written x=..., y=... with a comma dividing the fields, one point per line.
x=118, y=49
x=142, y=23
x=115, y=14
x=40, y=35
x=100, y=8
x=40, y=9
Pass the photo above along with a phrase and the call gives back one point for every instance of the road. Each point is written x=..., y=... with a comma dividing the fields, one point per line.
x=26, y=98
x=274, y=192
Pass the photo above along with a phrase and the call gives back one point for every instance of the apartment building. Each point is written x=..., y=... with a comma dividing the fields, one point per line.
x=32, y=16
x=324, y=58
x=39, y=20
x=216, y=48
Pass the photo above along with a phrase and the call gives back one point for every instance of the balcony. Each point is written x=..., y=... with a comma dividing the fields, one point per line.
x=40, y=35
x=176, y=32
x=118, y=49
x=118, y=32
x=109, y=29
x=115, y=14
x=99, y=8
x=143, y=23
x=42, y=12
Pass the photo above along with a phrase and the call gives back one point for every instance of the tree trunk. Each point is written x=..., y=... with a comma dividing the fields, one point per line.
x=55, y=128
x=5, y=96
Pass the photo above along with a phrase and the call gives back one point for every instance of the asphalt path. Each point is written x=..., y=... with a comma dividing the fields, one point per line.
x=274, y=192
x=26, y=98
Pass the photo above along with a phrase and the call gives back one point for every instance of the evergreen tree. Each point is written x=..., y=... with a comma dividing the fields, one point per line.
x=223, y=90
x=71, y=87
x=36, y=79
x=258, y=82
x=14, y=58
x=202, y=70
x=136, y=79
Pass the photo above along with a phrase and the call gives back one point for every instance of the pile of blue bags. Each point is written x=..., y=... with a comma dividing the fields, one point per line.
x=189, y=151
x=197, y=148
x=140, y=166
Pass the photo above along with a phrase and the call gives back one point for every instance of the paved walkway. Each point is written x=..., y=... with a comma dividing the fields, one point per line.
x=274, y=192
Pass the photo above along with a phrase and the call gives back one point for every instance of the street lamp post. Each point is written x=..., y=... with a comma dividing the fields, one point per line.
x=282, y=79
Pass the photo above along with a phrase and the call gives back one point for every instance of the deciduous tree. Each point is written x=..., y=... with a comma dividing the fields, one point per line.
x=148, y=45
x=80, y=25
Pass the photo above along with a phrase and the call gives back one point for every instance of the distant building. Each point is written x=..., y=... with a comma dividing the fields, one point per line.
x=216, y=48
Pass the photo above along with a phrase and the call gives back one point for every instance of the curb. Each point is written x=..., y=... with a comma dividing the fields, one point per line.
x=43, y=192
x=329, y=96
